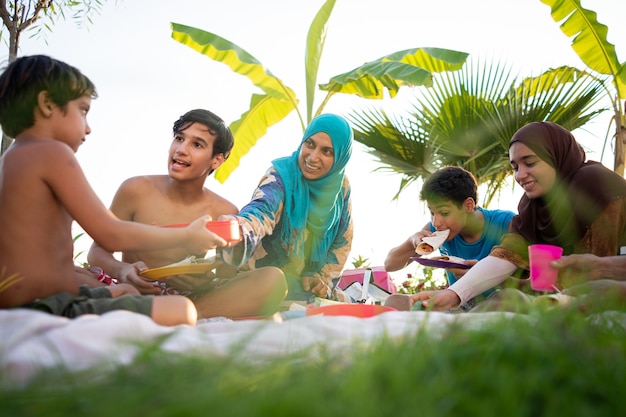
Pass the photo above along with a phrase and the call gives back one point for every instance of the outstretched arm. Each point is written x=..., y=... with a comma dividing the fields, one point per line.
x=485, y=274
x=588, y=267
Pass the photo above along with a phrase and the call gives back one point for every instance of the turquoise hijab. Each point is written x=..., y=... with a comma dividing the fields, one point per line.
x=315, y=204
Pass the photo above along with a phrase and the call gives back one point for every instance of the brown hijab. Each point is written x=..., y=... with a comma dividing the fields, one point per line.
x=580, y=194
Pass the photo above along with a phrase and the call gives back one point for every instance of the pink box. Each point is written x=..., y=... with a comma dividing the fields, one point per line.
x=381, y=278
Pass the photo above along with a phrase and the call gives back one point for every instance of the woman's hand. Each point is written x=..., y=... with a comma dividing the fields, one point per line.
x=316, y=285
x=438, y=300
x=579, y=268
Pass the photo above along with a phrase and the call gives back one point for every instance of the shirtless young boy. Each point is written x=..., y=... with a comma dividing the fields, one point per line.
x=43, y=106
x=201, y=143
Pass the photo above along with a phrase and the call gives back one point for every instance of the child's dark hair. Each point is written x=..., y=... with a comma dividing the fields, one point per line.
x=27, y=76
x=450, y=183
x=224, y=140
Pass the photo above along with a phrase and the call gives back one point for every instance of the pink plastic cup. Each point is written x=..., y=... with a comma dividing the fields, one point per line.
x=542, y=276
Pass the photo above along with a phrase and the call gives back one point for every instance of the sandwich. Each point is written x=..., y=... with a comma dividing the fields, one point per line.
x=431, y=243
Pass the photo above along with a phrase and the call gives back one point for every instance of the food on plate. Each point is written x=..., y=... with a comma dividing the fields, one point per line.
x=449, y=258
x=431, y=243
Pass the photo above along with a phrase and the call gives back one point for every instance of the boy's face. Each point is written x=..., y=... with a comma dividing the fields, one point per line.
x=447, y=215
x=70, y=125
x=191, y=153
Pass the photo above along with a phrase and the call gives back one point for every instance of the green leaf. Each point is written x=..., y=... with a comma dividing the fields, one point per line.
x=412, y=67
x=236, y=58
x=551, y=78
x=589, y=39
x=264, y=112
x=468, y=117
x=431, y=59
x=315, y=41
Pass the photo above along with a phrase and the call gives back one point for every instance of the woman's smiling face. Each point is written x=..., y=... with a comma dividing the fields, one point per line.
x=316, y=156
x=532, y=173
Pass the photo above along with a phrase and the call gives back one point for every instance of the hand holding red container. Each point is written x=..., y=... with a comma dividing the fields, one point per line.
x=226, y=229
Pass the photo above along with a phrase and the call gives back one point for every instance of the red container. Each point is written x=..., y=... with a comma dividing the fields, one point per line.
x=226, y=229
x=355, y=310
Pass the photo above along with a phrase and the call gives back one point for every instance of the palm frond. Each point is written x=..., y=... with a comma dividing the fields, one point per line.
x=467, y=118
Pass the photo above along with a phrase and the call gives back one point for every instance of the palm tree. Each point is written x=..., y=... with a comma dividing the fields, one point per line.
x=467, y=118
x=410, y=67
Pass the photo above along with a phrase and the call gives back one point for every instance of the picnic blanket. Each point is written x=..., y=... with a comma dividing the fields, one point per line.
x=31, y=341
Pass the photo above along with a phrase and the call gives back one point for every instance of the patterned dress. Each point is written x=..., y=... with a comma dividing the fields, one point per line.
x=261, y=245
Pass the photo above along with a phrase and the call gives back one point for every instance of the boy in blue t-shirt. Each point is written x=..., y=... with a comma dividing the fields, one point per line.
x=451, y=194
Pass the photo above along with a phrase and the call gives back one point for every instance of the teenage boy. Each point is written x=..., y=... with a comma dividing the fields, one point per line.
x=43, y=106
x=201, y=143
x=451, y=194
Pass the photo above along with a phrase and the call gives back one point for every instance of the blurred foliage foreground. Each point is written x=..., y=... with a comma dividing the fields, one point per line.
x=553, y=362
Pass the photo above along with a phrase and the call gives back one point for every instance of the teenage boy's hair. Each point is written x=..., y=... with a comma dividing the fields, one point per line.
x=450, y=183
x=224, y=140
x=27, y=76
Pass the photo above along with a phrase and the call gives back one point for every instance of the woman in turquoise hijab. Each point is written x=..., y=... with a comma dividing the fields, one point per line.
x=299, y=218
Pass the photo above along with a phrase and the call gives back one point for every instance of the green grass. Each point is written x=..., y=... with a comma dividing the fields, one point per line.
x=556, y=364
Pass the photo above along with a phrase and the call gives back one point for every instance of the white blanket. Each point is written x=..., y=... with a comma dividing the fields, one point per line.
x=31, y=341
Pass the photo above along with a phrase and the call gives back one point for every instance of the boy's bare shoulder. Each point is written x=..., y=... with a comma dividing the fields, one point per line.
x=141, y=185
x=29, y=161
x=142, y=181
x=37, y=148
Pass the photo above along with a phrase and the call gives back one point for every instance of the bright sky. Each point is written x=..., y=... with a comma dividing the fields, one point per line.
x=146, y=80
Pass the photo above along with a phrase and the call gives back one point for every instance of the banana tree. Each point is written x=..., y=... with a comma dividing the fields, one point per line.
x=589, y=41
x=467, y=118
x=411, y=67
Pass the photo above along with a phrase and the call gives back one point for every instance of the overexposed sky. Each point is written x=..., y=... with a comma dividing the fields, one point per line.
x=146, y=80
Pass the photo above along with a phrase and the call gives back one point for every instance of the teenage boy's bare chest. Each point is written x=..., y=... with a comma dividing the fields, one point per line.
x=163, y=212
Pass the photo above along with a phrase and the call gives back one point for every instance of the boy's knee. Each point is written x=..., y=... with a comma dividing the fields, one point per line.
x=171, y=310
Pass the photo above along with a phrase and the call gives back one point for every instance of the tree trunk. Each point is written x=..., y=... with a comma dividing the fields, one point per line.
x=620, y=140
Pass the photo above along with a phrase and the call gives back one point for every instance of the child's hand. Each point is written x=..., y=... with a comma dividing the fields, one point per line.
x=416, y=239
x=129, y=274
x=202, y=239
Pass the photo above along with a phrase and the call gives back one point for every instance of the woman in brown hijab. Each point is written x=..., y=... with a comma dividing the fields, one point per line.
x=568, y=201
x=580, y=206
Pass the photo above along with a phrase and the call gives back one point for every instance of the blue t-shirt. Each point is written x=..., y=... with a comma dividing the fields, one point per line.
x=496, y=225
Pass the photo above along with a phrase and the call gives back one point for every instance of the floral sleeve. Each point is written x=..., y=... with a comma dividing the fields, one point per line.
x=257, y=219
